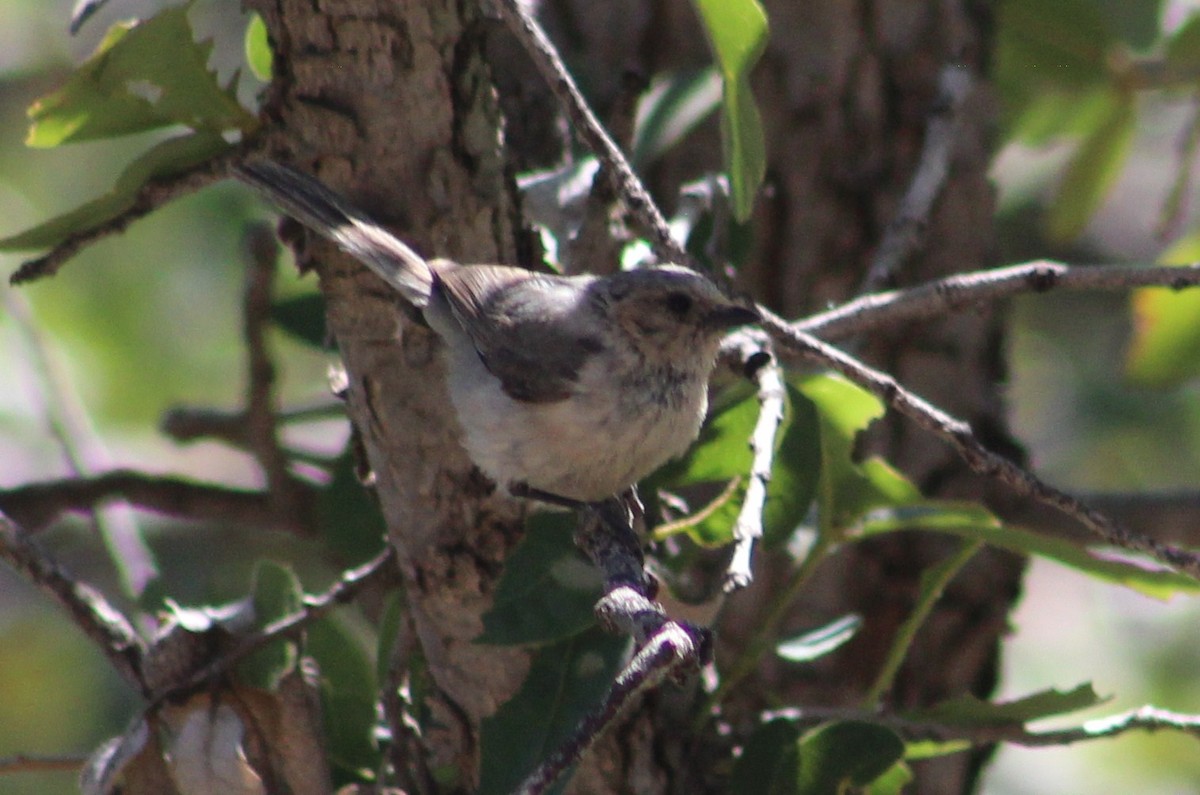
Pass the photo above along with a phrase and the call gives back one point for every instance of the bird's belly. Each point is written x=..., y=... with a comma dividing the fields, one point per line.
x=587, y=447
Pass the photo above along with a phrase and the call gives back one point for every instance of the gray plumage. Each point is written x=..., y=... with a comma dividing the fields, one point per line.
x=576, y=386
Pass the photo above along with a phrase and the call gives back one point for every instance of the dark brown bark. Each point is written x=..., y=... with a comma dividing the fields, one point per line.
x=391, y=103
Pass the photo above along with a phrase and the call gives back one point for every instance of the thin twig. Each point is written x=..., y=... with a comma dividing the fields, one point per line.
x=749, y=525
x=612, y=161
x=84, y=451
x=87, y=607
x=346, y=588
x=30, y=763
x=261, y=411
x=152, y=195
x=668, y=647
x=35, y=505
x=931, y=591
x=1145, y=718
x=906, y=232
x=934, y=299
x=670, y=652
x=972, y=451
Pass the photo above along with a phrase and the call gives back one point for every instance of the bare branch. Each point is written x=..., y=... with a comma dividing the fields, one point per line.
x=906, y=232
x=90, y=611
x=345, y=589
x=1145, y=718
x=1173, y=517
x=759, y=364
x=68, y=420
x=972, y=451
x=261, y=414
x=953, y=293
x=36, y=505
x=152, y=195
x=638, y=201
x=671, y=651
x=668, y=648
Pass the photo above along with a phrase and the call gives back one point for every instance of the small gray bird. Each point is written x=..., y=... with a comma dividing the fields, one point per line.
x=574, y=387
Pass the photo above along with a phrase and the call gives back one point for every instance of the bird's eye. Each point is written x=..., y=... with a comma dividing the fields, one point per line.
x=678, y=304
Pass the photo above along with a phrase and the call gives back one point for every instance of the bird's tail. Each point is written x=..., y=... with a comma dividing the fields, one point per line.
x=323, y=211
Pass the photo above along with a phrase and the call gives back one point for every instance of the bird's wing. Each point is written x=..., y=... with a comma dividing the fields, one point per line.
x=323, y=211
x=524, y=326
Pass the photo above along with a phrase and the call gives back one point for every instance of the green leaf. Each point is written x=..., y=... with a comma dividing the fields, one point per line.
x=276, y=593
x=737, y=30
x=974, y=522
x=821, y=641
x=796, y=469
x=931, y=749
x=670, y=109
x=893, y=781
x=144, y=75
x=566, y=680
x=348, y=693
x=1057, y=113
x=349, y=517
x=847, y=489
x=1165, y=349
x=1058, y=47
x=769, y=760
x=1093, y=169
x=258, y=49
x=303, y=317
x=970, y=711
x=722, y=451
x=837, y=756
x=167, y=159
x=547, y=591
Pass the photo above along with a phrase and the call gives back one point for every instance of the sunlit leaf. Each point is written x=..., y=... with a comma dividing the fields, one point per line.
x=838, y=756
x=144, y=75
x=164, y=160
x=1093, y=170
x=737, y=30
x=848, y=489
x=931, y=749
x=566, y=681
x=722, y=451
x=968, y=710
x=820, y=641
x=547, y=590
x=258, y=49
x=670, y=109
x=1165, y=349
x=970, y=521
x=276, y=593
x=892, y=781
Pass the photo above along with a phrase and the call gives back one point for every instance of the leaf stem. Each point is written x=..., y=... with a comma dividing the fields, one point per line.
x=933, y=583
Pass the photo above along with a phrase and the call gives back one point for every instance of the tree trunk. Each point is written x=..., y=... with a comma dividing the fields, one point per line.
x=392, y=104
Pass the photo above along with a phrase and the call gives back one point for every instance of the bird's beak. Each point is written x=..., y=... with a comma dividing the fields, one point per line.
x=731, y=316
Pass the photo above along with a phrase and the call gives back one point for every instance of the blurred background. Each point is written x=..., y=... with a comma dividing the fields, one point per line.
x=165, y=297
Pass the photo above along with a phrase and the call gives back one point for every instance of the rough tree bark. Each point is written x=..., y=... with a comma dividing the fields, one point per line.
x=392, y=103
